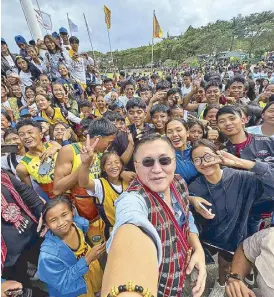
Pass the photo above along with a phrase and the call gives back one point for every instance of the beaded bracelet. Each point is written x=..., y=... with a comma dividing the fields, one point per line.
x=129, y=287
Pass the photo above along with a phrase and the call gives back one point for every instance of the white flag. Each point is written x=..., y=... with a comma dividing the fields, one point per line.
x=44, y=19
x=73, y=27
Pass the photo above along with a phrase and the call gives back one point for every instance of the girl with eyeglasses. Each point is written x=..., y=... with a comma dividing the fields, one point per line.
x=233, y=196
x=154, y=230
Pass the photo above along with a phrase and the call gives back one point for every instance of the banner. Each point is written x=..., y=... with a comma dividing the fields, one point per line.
x=107, y=12
x=44, y=19
x=157, y=31
x=73, y=27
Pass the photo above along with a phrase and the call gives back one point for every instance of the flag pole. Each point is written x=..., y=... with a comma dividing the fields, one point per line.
x=90, y=39
x=68, y=24
x=110, y=47
x=152, y=40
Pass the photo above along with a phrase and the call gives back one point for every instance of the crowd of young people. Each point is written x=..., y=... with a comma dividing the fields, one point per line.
x=132, y=183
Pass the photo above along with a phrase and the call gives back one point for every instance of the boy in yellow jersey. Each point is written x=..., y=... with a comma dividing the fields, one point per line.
x=30, y=133
x=106, y=189
x=68, y=163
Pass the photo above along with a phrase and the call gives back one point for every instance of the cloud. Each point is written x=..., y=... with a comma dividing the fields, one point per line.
x=131, y=19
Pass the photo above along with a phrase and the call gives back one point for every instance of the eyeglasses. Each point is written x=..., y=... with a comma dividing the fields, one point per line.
x=149, y=162
x=199, y=160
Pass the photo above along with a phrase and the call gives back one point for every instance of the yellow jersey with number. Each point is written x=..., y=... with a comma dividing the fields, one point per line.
x=32, y=164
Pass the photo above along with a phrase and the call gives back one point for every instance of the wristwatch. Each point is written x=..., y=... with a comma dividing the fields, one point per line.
x=234, y=276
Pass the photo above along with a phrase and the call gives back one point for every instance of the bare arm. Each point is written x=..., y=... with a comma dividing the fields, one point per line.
x=23, y=174
x=240, y=264
x=64, y=178
x=83, y=178
x=132, y=256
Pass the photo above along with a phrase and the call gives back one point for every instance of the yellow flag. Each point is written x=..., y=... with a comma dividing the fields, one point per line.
x=107, y=16
x=157, y=31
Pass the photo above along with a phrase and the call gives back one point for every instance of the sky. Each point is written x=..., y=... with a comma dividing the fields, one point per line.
x=131, y=20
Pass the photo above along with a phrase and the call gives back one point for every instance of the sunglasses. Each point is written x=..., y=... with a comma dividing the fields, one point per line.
x=149, y=162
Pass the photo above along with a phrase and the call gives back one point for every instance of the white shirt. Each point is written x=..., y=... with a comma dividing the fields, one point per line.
x=256, y=130
x=11, y=63
x=99, y=191
x=186, y=90
x=26, y=78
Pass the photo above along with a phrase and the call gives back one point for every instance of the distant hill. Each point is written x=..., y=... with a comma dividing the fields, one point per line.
x=253, y=34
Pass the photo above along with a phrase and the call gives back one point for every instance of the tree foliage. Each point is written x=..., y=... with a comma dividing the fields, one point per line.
x=253, y=34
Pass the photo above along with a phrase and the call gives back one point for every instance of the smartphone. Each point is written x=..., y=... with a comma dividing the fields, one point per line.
x=9, y=148
x=44, y=168
x=204, y=208
x=14, y=292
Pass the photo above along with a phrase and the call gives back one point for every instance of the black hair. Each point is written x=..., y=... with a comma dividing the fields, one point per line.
x=238, y=78
x=144, y=89
x=101, y=127
x=159, y=108
x=6, y=116
x=10, y=131
x=212, y=83
x=27, y=122
x=84, y=103
x=149, y=138
x=86, y=122
x=104, y=159
x=192, y=123
x=136, y=102
x=106, y=80
x=122, y=73
x=34, y=71
x=229, y=109
x=154, y=75
x=29, y=88
x=162, y=85
x=53, y=202
x=113, y=116
x=73, y=39
x=271, y=98
x=209, y=107
x=187, y=74
x=267, y=106
x=204, y=142
x=174, y=91
x=182, y=121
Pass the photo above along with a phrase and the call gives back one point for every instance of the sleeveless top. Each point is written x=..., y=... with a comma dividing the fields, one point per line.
x=176, y=249
x=106, y=209
x=57, y=117
x=83, y=202
x=32, y=164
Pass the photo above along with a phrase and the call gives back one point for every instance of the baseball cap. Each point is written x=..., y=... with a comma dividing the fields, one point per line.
x=20, y=39
x=3, y=41
x=39, y=119
x=32, y=42
x=24, y=112
x=63, y=30
x=55, y=35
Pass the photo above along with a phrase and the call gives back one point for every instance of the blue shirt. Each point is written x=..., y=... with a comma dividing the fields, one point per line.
x=184, y=166
x=131, y=208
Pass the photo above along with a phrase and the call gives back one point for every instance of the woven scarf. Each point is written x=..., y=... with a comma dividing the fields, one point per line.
x=7, y=183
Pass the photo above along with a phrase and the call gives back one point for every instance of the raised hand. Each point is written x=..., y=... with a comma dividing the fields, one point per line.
x=87, y=152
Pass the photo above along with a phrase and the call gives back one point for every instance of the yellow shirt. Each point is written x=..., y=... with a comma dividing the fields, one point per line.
x=110, y=195
x=57, y=117
x=94, y=276
x=32, y=164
